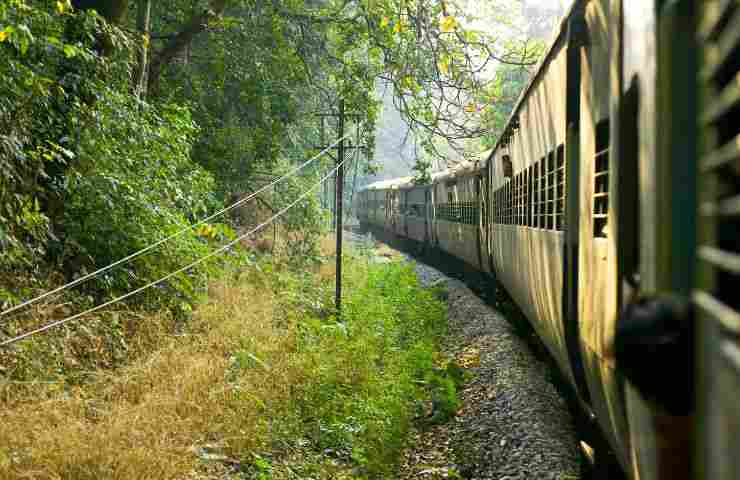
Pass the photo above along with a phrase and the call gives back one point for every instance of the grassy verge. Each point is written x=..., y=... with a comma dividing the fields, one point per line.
x=265, y=382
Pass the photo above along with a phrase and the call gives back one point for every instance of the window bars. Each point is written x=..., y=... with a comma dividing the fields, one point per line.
x=601, y=179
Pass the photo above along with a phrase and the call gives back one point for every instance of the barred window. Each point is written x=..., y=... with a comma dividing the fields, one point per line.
x=525, y=196
x=541, y=194
x=560, y=194
x=459, y=212
x=535, y=195
x=510, y=203
x=530, y=195
x=550, y=190
x=601, y=179
x=519, y=199
x=514, y=199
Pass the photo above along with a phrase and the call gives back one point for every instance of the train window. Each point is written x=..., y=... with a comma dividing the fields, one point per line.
x=509, y=203
x=517, y=197
x=501, y=205
x=494, y=199
x=551, y=190
x=505, y=204
x=505, y=220
x=560, y=193
x=512, y=210
x=523, y=221
x=542, y=194
x=530, y=195
x=515, y=200
x=536, y=195
x=601, y=179
x=496, y=206
x=525, y=213
x=522, y=197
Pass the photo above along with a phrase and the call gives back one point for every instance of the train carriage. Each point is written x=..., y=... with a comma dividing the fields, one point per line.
x=457, y=220
x=600, y=216
x=416, y=212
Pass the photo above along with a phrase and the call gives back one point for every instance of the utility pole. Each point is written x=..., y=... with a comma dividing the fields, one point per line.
x=339, y=202
x=338, y=222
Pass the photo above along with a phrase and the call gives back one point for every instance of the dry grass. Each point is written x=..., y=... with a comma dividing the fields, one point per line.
x=261, y=366
x=328, y=245
x=146, y=420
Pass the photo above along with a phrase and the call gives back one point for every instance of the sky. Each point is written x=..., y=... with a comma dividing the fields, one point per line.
x=547, y=3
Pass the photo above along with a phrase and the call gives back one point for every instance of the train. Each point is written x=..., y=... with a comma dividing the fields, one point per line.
x=609, y=210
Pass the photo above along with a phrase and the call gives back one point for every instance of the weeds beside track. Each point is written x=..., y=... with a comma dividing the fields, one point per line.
x=264, y=380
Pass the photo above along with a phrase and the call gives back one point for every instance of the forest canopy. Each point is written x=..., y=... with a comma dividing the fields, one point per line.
x=123, y=120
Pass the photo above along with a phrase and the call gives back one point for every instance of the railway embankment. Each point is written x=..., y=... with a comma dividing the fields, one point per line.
x=513, y=422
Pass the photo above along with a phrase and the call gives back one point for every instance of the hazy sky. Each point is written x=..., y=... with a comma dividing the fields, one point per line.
x=547, y=3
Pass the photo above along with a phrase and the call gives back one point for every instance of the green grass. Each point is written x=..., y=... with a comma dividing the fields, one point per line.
x=266, y=378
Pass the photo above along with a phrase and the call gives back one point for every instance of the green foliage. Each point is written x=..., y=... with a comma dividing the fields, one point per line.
x=50, y=71
x=423, y=174
x=136, y=184
x=88, y=173
x=369, y=369
x=444, y=385
x=507, y=85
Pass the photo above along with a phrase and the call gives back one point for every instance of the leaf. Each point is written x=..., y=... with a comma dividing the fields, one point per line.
x=444, y=65
x=448, y=24
x=5, y=34
x=70, y=51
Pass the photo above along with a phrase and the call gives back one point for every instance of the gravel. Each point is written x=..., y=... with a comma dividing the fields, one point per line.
x=514, y=424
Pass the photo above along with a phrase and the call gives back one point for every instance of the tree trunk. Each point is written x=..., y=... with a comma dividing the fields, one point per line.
x=143, y=23
x=197, y=24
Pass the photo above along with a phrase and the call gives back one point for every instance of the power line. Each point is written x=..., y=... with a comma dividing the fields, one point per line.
x=166, y=239
x=223, y=248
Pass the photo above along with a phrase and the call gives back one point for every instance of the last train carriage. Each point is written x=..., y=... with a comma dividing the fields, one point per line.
x=609, y=210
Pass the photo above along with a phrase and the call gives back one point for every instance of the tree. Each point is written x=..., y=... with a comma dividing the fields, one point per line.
x=114, y=11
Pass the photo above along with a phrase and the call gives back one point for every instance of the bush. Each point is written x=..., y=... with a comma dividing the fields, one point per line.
x=89, y=173
x=135, y=185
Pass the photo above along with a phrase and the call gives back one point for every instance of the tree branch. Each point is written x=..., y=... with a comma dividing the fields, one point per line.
x=177, y=43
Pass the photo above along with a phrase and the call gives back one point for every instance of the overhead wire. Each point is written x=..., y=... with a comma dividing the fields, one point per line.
x=218, y=251
x=156, y=244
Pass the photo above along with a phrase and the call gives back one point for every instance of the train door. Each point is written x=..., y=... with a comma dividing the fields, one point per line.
x=390, y=211
x=576, y=40
x=596, y=290
x=479, y=216
x=406, y=211
x=427, y=214
x=717, y=297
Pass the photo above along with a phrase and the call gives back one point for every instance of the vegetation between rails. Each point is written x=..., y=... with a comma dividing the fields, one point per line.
x=264, y=381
